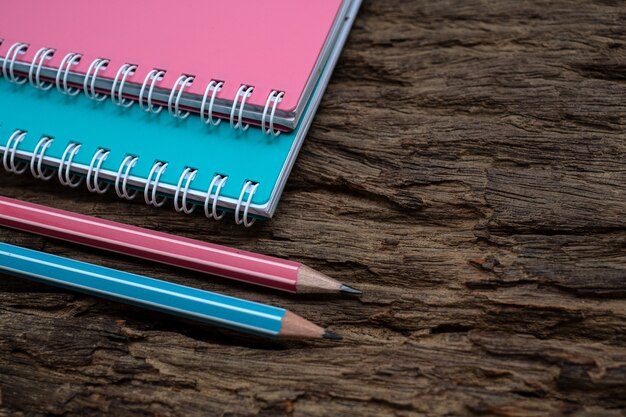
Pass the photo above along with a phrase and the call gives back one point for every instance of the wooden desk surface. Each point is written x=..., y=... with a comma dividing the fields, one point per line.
x=467, y=169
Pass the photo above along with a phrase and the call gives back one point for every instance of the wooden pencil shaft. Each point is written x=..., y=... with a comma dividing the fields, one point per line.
x=147, y=244
x=179, y=300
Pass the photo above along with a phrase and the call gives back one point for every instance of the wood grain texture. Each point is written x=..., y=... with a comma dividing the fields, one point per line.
x=467, y=169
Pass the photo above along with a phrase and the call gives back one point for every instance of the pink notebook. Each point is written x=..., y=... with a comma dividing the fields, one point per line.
x=271, y=45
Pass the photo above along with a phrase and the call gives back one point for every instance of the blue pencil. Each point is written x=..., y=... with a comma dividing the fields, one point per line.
x=192, y=303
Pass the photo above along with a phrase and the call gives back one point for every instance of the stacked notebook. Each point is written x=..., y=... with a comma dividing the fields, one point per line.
x=205, y=104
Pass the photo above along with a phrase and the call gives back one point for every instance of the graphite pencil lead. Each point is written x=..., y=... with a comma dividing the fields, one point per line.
x=349, y=290
x=331, y=336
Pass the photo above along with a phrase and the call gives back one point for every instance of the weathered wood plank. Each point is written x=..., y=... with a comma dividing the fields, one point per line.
x=467, y=168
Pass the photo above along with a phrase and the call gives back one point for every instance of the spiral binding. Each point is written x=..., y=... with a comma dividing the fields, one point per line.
x=218, y=180
x=98, y=64
x=64, y=70
x=34, y=76
x=65, y=175
x=94, y=170
x=37, y=160
x=152, y=78
x=250, y=188
x=215, y=87
x=159, y=168
x=127, y=164
x=188, y=176
x=275, y=97
x=16, y=49
x=244, y=92
x=145, y=99
x=124, y=71
x=179, y=86
x=8, y=159
x=18, y=161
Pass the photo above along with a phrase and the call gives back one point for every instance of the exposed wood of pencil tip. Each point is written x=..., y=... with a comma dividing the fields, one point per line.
x=296, y=327
x=312, y=281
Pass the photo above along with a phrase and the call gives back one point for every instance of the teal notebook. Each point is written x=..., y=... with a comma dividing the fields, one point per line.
x=240, y=157
x=155, y=157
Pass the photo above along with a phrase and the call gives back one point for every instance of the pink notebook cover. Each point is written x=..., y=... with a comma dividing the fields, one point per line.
x=268, y=44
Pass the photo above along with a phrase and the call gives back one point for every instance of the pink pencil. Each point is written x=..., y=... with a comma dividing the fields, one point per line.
x=168, y=249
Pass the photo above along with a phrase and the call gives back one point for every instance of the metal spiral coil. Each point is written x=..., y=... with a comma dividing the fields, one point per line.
x=126, y=166
x=36, y=162
x=156, y=193
x=250, y=188
x=274, y=97
x=8, y=159
x=18, y=48
x=244, y=92
x=65, y=169
x=218, y=180
x=151, y=197
x=125, y=71
x=64, y=69
x=188, y=174
x=125, y=95
x=173, y=104
x=94, y=171
x=214, y=87
x=152, y=78
x=34, y=72
x=98, y=64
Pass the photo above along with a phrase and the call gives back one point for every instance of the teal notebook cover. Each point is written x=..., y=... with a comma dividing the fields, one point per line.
x=241, y=156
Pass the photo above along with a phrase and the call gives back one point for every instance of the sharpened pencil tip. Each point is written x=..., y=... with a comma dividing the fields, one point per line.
x=331, y=336
x=349, y=290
